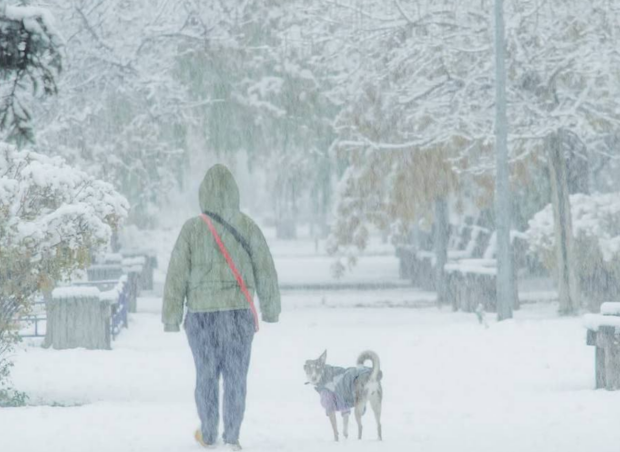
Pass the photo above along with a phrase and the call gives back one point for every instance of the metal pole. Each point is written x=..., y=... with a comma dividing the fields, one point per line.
x=505, y=282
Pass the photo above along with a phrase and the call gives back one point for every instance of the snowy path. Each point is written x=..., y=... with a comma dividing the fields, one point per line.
x=450, y=385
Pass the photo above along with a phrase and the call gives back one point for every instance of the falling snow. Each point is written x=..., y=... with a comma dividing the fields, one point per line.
x=436, y=182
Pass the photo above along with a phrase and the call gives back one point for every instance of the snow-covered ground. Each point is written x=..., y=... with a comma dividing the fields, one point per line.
x=450, y=385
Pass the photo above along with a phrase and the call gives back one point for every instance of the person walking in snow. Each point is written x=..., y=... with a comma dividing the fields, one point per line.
x=220, y=260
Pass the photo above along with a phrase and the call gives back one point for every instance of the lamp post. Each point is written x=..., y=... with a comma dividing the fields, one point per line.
x=505, y=281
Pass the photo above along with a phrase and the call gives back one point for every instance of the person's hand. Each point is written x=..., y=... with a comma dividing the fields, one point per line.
x=270, y=318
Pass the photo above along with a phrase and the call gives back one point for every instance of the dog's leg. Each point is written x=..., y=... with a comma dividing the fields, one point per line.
x=345, y=424
x=375, y=403
x=332, y=419
x=359, y=411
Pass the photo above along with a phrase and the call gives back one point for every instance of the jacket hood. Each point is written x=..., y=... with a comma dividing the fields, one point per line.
x=219, y=192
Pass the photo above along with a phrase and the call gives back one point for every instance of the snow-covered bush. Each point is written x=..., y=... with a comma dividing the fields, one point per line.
x=48, y=209
x=52, y=217
x=596, y=229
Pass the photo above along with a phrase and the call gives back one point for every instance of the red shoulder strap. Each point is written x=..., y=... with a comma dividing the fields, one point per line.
x=233, y=268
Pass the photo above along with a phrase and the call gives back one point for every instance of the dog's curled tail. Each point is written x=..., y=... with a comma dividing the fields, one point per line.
x=376, y=363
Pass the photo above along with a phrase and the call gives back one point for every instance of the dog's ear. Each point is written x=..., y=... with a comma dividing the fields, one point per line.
x=323, y=358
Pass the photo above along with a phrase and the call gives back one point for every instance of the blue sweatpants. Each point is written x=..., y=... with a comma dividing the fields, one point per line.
x=221, y=343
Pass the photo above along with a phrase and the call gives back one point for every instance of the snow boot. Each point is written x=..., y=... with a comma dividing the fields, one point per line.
x=199, y=440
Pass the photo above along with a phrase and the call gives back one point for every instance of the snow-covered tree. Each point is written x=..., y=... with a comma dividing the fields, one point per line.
x=120, y=113
x=417, y=79
x=29, y=65
x=260, y=67
x=52, y=218
x=293, y=117
x=418, y=98
x=149, y=87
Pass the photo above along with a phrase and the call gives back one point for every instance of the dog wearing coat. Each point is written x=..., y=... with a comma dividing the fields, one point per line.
x=342, y=389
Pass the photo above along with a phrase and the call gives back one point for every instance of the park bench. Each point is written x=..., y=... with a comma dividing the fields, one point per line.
x=104, y=272
x=148, y=260
x=87, y=314
x=119, y=294
x=78, y=317
x=470, y=242
x=110, y=268
x=106, y=298
x=473, y=281
x=471, y=269
x=604, y=334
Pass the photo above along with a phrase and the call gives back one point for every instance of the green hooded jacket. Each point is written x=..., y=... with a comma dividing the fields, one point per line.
x=199, y=273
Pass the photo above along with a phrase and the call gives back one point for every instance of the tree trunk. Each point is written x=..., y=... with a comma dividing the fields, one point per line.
x=577, y=163
x=568, y=283
x=442, y=231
